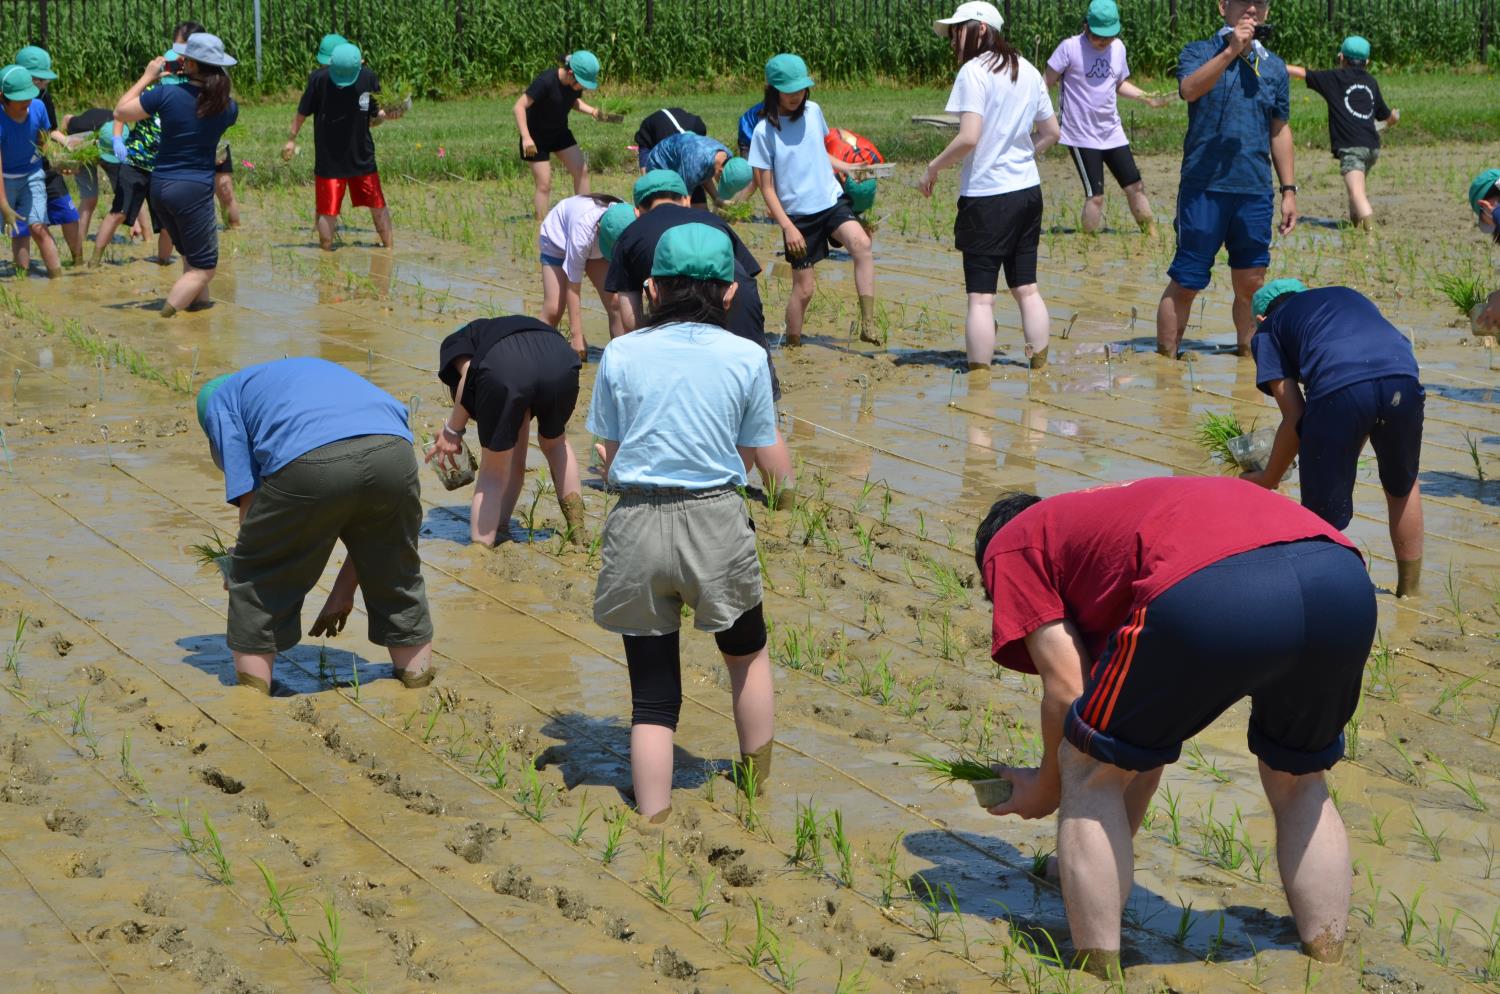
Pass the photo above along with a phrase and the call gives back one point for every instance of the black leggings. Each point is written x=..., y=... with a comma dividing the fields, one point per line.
x=655, y=663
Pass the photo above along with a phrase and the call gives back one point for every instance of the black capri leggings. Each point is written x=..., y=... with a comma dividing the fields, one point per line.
x=655, y=663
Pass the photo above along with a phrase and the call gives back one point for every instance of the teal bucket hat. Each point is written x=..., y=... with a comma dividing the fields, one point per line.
x=695, y=251
x=1274, y=290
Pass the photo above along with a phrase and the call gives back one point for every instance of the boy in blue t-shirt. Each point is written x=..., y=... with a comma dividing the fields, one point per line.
x=1341, y=373
x=23, y=126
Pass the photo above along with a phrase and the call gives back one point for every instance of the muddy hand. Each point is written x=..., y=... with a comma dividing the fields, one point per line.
x=331, y=620
x=1029, y=798
x=288, y=150
x=529, y=148
x=796, y=245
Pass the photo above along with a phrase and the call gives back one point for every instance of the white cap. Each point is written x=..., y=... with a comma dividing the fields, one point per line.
x=973, y=10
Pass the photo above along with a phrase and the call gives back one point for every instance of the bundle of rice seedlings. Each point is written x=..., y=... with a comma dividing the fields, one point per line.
x=1213, y=433
x=964, y=768
x=617, y=106
x=1466, y=291
x=211, y=552
x=736, y=213
x=68, y=158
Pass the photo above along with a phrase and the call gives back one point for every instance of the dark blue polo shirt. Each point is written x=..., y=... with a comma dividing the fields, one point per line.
x=1227, y=148
x=1327, y=339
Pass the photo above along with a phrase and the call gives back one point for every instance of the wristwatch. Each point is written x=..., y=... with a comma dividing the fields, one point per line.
x=1289, y=188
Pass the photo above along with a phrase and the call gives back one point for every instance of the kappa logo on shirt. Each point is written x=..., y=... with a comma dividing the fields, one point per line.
x=1102, y=69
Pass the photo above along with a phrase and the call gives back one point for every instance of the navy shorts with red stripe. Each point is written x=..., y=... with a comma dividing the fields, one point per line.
x=1287, y=625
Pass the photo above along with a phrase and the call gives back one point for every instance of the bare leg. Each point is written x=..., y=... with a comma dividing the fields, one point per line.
x=1093, y=214
x=1094, y=856
x=554, y=295
x=1405, y=514
x=651, y=768
x=1360, y=212
x=1140, y=207
x=562, y=463
x=857, y=240
x=163, y=247
x=803, y=285
x=979, y=330
x=412, y=660
x=20, y=253
x=597, y=270
x=191, y=288
x=1246, y=282
x=1036, y=323
x=754, y=692
x=224, y=190
x=107, y=229
x=256, y=666
x=1172, y=317
x=73, y=235
x=541, y=195
x=47, y=248
x=1312, y=850
x=85, y=220
x=1138, y=797
x=572, y=159
x=496, y=489
x=381, y=216
x=327, y=226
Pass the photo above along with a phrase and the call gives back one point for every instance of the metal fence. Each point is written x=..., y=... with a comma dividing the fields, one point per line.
x=448, y=46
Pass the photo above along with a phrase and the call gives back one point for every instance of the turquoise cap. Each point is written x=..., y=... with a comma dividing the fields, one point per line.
x=1272, y=291
x=584, y=65
x=1481, y=187
x=16, y=84
x=788, y=73
x=658, y=181
x=205, y=393
x=1355, y=49
x=612, y=225
x=344, y=65
x=735, y=177
x=37, y=61
x=695, y=251
x=327, y=45
x=1104, y=19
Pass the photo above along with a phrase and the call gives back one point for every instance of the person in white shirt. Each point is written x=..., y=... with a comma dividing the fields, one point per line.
x=1005, y=122
x=568, y=244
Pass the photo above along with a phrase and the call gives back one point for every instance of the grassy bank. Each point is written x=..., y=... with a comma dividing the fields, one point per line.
x=475, y=138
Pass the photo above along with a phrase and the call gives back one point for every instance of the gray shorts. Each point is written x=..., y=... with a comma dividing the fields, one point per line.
x=364, y=491
x=666, y=548
x=1357, y=160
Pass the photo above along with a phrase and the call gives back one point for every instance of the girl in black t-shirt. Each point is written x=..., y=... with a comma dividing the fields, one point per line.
x=542, y=118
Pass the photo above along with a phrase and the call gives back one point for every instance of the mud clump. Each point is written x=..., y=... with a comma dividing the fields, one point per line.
x=258, y=812
x=741, y=875
x=83, y=865
x=670, y=964
x=721, y=856
x=619, y=928
x=217, y=778
x=1387, y=980
x=473, y=843
x=304, y=711
x=513, y=882
x=131, y=932
x=883, y=951
x=574, y=907
x=155, y=902
x=60, y=645
x=66, y=821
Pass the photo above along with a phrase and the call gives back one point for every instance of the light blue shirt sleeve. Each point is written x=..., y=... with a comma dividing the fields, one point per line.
x=604, y=414
x=758, y=425
x=231, y=446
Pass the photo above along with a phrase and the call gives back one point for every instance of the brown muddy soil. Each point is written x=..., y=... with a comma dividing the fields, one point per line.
x=473, y=836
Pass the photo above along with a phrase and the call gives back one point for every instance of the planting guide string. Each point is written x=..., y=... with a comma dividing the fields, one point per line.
x=62, y=921
x=605, y=747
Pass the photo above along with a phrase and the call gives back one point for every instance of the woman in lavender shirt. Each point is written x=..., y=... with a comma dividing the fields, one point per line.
x=1092, y=69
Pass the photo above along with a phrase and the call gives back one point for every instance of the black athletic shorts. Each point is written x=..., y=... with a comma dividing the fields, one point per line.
x=1090, y=163
x=548, y=144
x=747, y=320
x=186, y=209
x=999, y=231
x=132, y=189
x=1390, y=412
x=817, y=230
x=1288, y=625
x=529, y=373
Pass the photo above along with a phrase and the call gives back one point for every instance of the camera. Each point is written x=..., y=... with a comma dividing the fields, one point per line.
x=1265, y=32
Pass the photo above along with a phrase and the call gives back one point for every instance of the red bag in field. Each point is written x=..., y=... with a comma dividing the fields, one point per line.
x=846, y=146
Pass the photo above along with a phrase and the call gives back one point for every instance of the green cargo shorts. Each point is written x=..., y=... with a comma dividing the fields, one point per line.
x=364, y=491
x=1357, y=160
x=669, y=548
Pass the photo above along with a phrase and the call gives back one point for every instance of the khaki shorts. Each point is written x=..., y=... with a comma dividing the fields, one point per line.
x=364, y=491
x=1357, y=160
x=663, y=549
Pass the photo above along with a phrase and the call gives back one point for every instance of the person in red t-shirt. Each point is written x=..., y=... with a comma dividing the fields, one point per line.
x=1148, y=609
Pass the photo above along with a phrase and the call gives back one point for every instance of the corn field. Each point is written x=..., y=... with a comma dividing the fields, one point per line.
x=445, y=47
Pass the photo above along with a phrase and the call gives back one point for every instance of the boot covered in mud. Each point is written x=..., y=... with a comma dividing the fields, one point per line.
x=866, y=322
x=253, y=682
x=1408, y=577
x=417, y=681
x=753, y=771
x=572, y=512
x=1038, y=359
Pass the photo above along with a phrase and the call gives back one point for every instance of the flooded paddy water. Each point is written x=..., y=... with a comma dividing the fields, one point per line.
x=472, y=836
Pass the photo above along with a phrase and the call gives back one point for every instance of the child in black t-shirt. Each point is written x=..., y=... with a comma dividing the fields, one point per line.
x=1354, y=108
x=542, y=118
x=660, y=125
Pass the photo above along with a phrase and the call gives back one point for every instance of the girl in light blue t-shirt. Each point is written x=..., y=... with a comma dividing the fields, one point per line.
x=795, y=174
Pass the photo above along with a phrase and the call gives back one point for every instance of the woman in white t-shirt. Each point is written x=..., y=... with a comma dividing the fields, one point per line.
x=1005, y=122
x=1094, y=74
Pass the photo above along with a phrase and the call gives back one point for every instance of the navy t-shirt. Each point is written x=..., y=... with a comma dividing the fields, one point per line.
x=1227, y=148
x=1327, y=339
x=189, y=143
x=635, y=250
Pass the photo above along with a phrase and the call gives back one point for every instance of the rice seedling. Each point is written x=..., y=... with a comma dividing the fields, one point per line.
x=1464, y=290
x=788, y=973
x=1382, y=681
x=1488, y=970
x=755, y=952
x=807, y=842
x=866, y=539
x=329, y=943
x=1452, y=695
x=1408, y=916
x=944, y=771
x=616, y=820
x=1455, y=600
x=700, y=903
x=931, y=917
x=581, y=822
x=491, y=765
x=211, y=551
x=1174, y=816
x=17, y=643
x=888, y=871
x=128, y=772
x=534, y=795
x=1412, y=772
x=1215, y=943
x=1432, y=843
x=1039, y=860
x=1487, y=847
x=747, y=798
x=1184, y=922
x=662, y=886
x=841, y=848
x=1377, y=827
x=1467, y=786
x=1199, y=763
x=278, y=907
x=1473, y=445
x=736, y=213
x=1439, y=939
x=1213, y=432
x=213, y=848
x=851, y=983
x=946, y=582
x=80, y=728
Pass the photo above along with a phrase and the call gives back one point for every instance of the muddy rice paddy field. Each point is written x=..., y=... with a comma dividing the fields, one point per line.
x=162, y=830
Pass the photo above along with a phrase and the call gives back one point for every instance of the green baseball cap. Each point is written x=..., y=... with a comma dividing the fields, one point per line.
x=788, y=73
x=735, y=177
x=16, y=84
x=327, y=45
x=584, y=65
x=695, y=251
x=658, y=181
x=205, y=394
x=1355, y=49
x=861, y=194
x=37, y=61
x=344, y=65
x=106, y=135
x=1104, y=18
x=1480, y=188
x=612, y=225
x=1268, y=294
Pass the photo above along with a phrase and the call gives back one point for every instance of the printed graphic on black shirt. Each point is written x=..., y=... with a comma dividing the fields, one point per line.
x=341, y=123
x=1354, y=105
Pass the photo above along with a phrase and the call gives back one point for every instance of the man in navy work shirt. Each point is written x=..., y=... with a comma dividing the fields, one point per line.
x=313, y=454
x=1239, y=103
x=1341, y=373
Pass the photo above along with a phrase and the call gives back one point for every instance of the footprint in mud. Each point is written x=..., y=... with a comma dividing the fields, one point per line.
x=405, y=944
x=155, y=902
x=258, y=812
x=473, y=842
x=514, y=882
x=66, y=821
x=215, y=777
x=670, y=964
x=16, y=792
x=130, y=932
x=304, y=711
x=733, y=872
x=83, y=865
x=60, y=645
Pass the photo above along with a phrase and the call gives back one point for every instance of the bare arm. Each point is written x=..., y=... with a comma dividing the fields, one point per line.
x=607, y=450
x=245, y=500
x=290, y=148
x=1284, y=158
x=1048, y=133
x=1130, y=91
x=523, y=104
x=129, y=109
x=585, y=108
x=1288, y=394
x=970, y=125
x=1052, y=76
x=1206, y=76
x=796, y=245
x=1061, y=660
x=1296, y=72
x=628, y=306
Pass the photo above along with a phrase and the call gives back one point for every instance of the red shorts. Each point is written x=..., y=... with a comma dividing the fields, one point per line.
x=364, y=191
